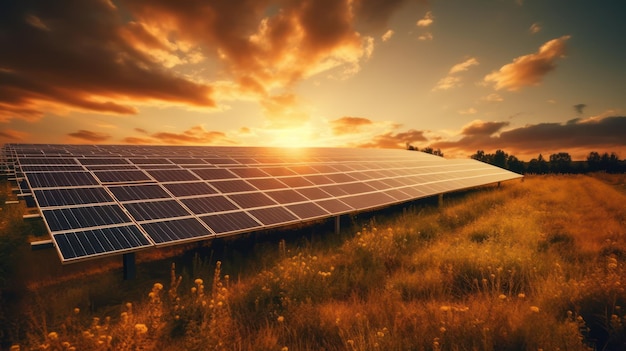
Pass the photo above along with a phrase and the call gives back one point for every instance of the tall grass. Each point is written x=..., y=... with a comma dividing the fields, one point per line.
x=531, y=265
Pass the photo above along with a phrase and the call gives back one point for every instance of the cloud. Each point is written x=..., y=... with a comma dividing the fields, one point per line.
x=447, y=82
x=479, y=127
x=452, y=80
x=196, y=135
x=12, y=135
x=425, y=37
x=392, y=140
x=426, y=21
x=468, y=111
x=529, y=69
x=388, y=34
x=535, y=28
x=90, y=136
x=493, y=97
x=579, y=108
x=463, y=66
x=578, y=137
x=62, y=60
x=283, y=111
x=349, y=125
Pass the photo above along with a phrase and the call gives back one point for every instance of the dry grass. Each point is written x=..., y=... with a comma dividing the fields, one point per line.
x=538, y=264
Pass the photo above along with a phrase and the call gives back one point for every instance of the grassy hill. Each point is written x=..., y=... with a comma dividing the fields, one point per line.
x=538, y=264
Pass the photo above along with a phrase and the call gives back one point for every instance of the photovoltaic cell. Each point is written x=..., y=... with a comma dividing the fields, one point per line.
x=84, y=217
x=251, y=200
x=273, y=215
x=307, y=210
x=138, y=192
x=71, y=196
x=60, y=179
x=80, y=244
x=209, y=204
x=189, y=189
x=230, y=222
x=172, y=175
x=122, y=176
x=171, y=231
x=232, y=186
x=144, y=211
x=136, y=196
x=214, y=173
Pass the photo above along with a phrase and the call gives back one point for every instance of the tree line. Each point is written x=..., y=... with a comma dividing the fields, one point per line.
x=560, y=162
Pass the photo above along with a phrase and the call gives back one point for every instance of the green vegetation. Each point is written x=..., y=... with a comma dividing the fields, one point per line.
x=539, y=264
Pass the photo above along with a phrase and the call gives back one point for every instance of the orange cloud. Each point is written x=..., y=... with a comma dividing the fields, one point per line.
x=196, y=135
x=393, y=141
x=427, y=20
x=12, y=135
x=529, y=69
x=60, y=60
x=579, y=136
x=90, y=136
x=479, y=127
x=349, y=125
x=452, y=80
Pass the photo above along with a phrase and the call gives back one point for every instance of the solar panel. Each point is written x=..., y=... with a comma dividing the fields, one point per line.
x=99, y=200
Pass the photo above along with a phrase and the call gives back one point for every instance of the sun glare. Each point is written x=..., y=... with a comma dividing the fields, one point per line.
x=293, y=137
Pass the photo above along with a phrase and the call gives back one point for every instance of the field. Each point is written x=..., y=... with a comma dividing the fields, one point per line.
x=532, y=265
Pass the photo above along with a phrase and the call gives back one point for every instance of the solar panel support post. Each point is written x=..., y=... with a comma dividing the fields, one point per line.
x=337, y=224
x=130, y=270
x=440, y=201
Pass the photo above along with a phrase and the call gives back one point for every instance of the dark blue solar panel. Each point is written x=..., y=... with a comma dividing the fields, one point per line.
x=286, y=196
x=266, y=183
x=307, y=210
x=214, y=173
x=209, y=204
x=232, y=186
x=230, y=222
x=144, y=211
x=138, y=192
x=189, y=189
x=122, y=176
x=86, y=243
x=273, y=215
x=71, y=196
x=60, y=179
x=172, y=175
x=84, y=217
x=251, y=200
x=175, y=230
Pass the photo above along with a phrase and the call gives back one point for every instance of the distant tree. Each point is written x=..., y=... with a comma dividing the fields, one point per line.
x=538, y=165
x=514, y=164
x=593, y=161
x=411, y=147
x=499, y=158
x=561, y=162
x=479, y=155
x=610, y=163
x=430, y=150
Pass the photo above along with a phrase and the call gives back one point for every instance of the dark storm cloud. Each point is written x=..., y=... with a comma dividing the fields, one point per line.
x=591, y=134
x=64, y=55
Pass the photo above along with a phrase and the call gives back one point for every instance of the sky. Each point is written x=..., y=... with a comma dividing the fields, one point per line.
x=524, y=76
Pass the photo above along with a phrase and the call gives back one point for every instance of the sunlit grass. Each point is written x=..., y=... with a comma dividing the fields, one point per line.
x=531, y=265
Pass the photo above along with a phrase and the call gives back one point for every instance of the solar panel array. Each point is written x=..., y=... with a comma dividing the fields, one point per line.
x=111, y=199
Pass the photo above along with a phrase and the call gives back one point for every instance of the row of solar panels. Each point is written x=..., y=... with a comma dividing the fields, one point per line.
x=95, y=212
